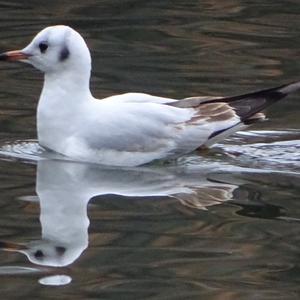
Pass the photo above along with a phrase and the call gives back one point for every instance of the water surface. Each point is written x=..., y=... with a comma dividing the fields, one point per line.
x=216, y=225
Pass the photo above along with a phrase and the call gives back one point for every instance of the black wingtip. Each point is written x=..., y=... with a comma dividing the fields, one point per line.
x=247, y=105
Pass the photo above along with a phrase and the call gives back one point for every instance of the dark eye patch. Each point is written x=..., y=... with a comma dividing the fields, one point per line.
x=64, y=54
x=60, y=250
x=43, y=47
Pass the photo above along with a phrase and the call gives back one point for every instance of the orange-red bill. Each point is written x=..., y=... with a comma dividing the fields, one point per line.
x=9, y=246
x=13, y=55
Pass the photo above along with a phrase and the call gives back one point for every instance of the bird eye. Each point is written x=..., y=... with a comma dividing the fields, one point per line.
x=39, y=254
x=43, y=47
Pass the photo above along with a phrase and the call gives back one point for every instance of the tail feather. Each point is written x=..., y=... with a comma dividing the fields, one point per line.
x=247, y=107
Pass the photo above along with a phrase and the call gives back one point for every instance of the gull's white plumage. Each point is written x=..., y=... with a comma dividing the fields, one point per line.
x=124, y=130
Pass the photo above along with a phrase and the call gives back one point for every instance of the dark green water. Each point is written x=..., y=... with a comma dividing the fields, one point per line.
x=221, y=225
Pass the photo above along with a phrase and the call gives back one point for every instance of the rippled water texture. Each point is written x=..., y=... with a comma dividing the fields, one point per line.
x=217, y=225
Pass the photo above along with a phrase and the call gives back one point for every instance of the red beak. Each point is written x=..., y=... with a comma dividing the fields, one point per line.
x=13, y=247
x=13, y=55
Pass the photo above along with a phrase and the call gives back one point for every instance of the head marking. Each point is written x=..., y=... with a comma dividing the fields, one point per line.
x=64, y=54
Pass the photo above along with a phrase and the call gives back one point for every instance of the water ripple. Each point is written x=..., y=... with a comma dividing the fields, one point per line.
x=265, y=149
x=279, y=150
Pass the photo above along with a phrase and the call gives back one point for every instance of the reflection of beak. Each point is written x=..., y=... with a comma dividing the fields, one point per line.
x=13, y=247
x=16, y=55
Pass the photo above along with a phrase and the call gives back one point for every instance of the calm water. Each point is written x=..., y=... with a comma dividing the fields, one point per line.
x=220, y=225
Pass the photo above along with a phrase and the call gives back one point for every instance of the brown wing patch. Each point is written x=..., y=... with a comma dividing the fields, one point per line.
x=245, y=106
x=192, y=101
x=213, y=109
x=213, y=112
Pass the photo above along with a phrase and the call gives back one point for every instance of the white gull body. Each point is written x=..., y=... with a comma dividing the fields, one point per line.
x=124, y=130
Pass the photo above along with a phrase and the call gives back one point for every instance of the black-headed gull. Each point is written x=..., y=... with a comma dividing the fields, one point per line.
x=129, y=129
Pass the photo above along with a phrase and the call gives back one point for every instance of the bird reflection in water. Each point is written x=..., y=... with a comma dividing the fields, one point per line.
x=65, y=188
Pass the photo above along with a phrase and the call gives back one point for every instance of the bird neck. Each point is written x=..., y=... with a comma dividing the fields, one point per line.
x=62, y=99
x=67, y=85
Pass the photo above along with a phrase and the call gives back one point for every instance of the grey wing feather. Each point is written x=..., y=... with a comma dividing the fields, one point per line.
x=246, y=105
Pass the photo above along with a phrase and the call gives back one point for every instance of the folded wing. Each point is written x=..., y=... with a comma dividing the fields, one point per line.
x=245, y=109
